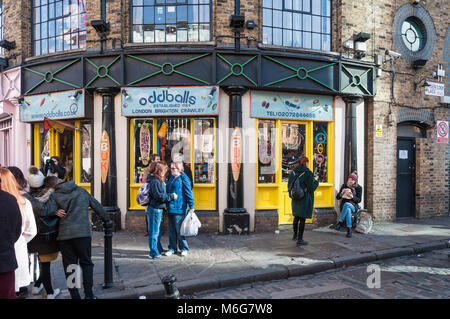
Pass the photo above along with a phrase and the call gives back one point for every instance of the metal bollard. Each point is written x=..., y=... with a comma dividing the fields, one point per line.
x=171, y=289
x=108, y=255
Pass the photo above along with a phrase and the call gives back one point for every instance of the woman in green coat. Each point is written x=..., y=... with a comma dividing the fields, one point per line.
x=302, y=209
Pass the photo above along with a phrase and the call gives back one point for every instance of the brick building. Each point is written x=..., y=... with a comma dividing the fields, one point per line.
x=291, y=86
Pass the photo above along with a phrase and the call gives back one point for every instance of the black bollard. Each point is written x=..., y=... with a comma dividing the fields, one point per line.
x=171, y=289
x=108, y=255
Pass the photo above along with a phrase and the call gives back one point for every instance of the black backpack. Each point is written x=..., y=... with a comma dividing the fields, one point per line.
x=296, y=192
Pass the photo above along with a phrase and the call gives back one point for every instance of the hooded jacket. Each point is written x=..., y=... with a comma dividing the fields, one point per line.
x=75, y=201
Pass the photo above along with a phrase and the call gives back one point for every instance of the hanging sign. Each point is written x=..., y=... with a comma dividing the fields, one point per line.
x=236, y=153
x=104, y=155
x=169, y=101
x=59, y=105
x=442, y=131
x=291, y=106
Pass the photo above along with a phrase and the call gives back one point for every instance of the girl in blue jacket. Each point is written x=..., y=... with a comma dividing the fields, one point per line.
x=179, y=184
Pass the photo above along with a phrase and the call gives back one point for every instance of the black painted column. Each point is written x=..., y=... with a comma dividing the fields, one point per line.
x=350, y=149
x=235, y=184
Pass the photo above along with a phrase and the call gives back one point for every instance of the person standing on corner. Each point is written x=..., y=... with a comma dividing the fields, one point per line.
x=302, y=209
x=10, y=231
x=74, y=231
x=29, y=228
x=179, y=184
x=154, y=158
x=350, y=195
x=154, y=212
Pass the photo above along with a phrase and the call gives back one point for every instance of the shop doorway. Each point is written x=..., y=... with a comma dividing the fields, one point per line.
x=406, y=172
x=294, y=139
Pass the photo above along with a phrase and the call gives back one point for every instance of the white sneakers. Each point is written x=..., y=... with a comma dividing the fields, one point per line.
x=168, y=253
x=55, y=294
x=184, y=253
x=37, y=290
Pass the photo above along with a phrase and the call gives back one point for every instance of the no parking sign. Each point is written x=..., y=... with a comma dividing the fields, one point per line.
x=442, y=131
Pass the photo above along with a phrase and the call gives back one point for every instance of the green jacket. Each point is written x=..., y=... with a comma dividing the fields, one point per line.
x=75, y=201
x=304, y=208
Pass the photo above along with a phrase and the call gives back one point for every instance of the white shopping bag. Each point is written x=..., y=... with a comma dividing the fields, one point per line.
x=190, y=224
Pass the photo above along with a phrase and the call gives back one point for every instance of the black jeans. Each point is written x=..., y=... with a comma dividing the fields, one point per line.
x=299, y=226
x=45, y=278
x=78, y=251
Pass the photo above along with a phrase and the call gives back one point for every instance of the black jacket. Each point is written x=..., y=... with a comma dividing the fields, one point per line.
x=54, y=169
x=10, y=230
x=158, y=196
x=75, y=201
x=357, y=196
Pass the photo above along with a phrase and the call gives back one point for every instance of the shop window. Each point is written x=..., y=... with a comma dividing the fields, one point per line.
x=143, y=132
x=266, y=152
x=44, y=145
x=86, y=153
x=58, y=25
x=297, y=23
x=170, y=20
x=66, y=152
x=320, y=151
x=293, y=147
x=203, y=151
x=174, y=136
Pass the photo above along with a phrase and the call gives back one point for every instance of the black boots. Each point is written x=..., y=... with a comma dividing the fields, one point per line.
x=301, y=242
x=349, y=232
x=338, y=226
x=294, y=237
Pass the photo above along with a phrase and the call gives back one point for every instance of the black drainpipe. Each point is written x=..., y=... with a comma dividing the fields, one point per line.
x=237, y=34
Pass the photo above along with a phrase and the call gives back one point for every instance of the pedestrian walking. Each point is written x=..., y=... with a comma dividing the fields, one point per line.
x=71, y=204
x=350, y=195
x=149, y=170
x=10, y=232
x=302, y=209
x=29, y=230
x=45, y=243
x=154, y=212
x=177, y=210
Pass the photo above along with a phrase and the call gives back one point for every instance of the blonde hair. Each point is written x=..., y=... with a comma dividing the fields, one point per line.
x=9, y=184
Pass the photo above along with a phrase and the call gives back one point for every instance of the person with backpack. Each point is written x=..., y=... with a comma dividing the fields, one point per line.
x=154, y=158
x=301, y=186
x=350, y=195
x=154, y=212
x=71, y=203
x=45, y=243
x=179, y=184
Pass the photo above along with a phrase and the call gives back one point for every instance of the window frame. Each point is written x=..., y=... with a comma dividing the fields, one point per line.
x=292, y=30
x=55, y=18
x=177, y=3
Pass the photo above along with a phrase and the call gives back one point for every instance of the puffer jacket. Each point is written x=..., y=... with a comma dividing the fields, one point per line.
x=75, y=201
x=182, y=187
x=158, y=196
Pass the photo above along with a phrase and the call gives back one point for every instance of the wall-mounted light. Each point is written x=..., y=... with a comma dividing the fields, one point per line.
x=75, y=95
x=425, y=84
x=8, y=45
x=100, y=26
x=125, y=94
x=211, y=94
x=237, y=21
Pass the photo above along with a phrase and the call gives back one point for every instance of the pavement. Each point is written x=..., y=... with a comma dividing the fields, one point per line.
x=218, y=261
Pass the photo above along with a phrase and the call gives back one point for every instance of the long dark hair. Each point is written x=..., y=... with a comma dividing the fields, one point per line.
x=18, y=175
x=160, y=171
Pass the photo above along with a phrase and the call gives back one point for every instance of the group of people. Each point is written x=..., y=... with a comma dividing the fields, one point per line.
x=170, y=191
x=48, y=218
x=350, y=195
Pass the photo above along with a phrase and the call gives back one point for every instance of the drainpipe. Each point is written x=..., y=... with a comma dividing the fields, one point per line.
x=237, y=40
x=350, y=149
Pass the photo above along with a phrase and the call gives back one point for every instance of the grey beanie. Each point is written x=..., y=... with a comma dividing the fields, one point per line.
x=35, y=178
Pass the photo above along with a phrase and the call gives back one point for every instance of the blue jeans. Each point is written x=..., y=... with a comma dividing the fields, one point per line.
x=175, y=239
x=346, y=214
x=154, y=219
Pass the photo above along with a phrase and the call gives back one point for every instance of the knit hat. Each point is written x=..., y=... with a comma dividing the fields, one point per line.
x=35, y=177
x=353, y=177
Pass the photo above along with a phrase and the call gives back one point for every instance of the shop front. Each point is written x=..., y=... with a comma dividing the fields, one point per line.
x=290, y=126
x=62, y=126
x=168, y=121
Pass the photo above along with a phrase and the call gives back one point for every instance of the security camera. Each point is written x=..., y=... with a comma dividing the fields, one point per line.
x=393, y=54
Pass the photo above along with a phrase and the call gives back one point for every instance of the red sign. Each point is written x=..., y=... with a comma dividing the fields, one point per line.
x=442, y=131
x=236, y=153
x=104, y=155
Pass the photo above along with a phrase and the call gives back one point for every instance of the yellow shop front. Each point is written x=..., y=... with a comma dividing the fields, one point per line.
x=289, y=126
x=165, y=121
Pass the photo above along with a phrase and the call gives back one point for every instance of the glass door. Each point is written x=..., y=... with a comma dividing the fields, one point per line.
x=294, y=142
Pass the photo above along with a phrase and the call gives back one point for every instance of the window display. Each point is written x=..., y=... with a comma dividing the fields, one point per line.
x=320, y=151
x=266, y=151
x=86, y=153
x=174, y=136
x=293, y=147
x=143, y=130
x=203, y=151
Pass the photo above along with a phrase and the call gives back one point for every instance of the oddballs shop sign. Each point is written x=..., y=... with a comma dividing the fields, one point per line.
x=276, y=105
x=170, y=101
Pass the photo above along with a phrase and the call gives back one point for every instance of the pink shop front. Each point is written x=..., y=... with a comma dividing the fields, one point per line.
x=15, y=141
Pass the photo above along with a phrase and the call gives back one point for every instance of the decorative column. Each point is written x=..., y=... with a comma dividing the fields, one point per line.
x=350, y=149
